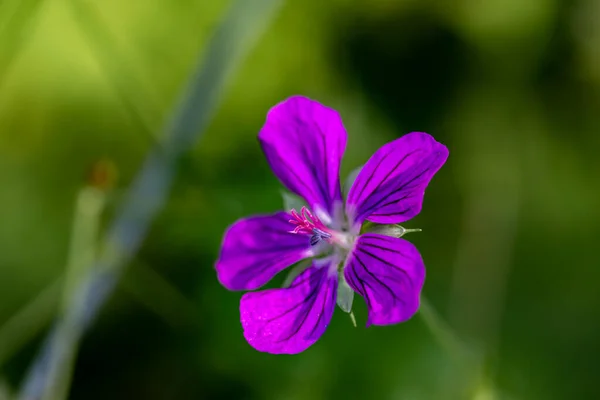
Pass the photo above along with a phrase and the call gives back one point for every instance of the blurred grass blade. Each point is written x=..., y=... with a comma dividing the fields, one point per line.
x=444, y=335
x=5, y=392
x=143, y=284
x=159, y=296
x=88, y=210
x=82, y=251
x=29, y=321
x=237, y=33
x=15, y=29
x=230, y=43
x=139, y=105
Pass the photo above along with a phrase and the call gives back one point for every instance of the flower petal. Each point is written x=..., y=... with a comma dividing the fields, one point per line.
x=289, y=320
x=391, y=185
x=389, y=273
x=256, y=248
x=304, y=142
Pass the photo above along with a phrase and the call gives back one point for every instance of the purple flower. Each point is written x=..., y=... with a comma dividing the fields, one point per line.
x=304, y=142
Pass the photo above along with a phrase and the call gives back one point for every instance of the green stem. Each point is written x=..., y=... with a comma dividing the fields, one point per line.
x=82, y=249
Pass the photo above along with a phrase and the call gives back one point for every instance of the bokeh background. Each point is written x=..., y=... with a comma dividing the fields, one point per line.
x=510, y=224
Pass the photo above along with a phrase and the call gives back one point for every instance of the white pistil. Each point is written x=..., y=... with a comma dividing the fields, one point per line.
x=342, y=239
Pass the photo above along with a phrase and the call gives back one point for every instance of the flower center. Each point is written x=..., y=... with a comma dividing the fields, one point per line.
x=308, y=223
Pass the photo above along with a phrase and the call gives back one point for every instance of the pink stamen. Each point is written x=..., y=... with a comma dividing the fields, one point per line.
x=306, y=222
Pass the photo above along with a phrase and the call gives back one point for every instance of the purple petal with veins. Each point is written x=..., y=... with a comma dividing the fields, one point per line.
x=390, y=187
x=256, y=248
x=289, y=320
x=389, y=273
x=304, y=142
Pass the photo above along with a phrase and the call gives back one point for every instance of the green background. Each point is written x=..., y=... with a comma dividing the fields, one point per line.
x=510, y=223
